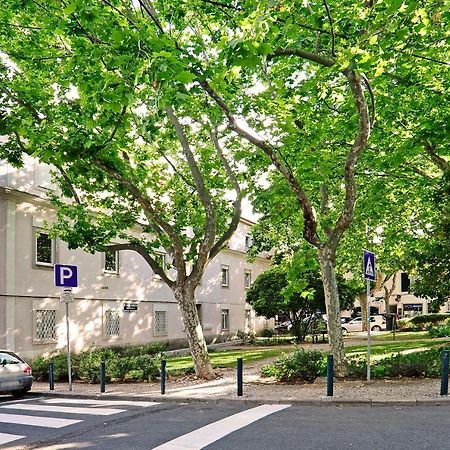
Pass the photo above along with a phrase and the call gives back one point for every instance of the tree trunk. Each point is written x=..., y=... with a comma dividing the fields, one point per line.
x=197, y=344
x=334, y=326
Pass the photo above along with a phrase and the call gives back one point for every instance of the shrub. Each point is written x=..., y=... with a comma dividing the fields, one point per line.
x=266, y=332
x=423, y=322
x=419, y=364
x=301, y=365
x=442, y=331
x=143, y=360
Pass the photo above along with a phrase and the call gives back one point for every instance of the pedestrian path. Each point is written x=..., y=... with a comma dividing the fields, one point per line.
x=28, y=418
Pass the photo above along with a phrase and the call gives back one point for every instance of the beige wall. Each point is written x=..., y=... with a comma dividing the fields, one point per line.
x=30, y=287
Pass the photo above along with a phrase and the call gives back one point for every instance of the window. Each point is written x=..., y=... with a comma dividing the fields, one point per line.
x=225, y=319
x=405, y=282
x=112, y=322
x=45, y=320
x=45, y=249
x=248, y=241
x=225, y=276
x=247, y=279
x=160, y=323
x=111, y=261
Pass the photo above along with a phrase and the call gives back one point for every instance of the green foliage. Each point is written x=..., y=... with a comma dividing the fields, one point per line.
x=300, y=366
x=438, y=332
x=418, y=364
x=266, y=332
x=142, y=361
x=295, y=292
x=423, y=322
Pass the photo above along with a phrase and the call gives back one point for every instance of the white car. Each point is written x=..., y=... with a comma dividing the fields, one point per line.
x=377, y=323
x=15, y=374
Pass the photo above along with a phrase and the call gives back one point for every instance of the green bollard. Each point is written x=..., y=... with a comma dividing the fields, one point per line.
x=444, y=372
x=102, y=377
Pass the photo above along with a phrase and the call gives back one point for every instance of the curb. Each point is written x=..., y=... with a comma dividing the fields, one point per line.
x=326, y=401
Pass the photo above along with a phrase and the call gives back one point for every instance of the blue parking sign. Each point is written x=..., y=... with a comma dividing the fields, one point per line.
x=66, y=276
x=369, y=265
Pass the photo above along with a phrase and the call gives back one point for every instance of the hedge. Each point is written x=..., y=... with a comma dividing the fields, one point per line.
x=123, y=363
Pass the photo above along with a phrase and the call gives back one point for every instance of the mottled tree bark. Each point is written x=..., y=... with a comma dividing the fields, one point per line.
x=197, y=344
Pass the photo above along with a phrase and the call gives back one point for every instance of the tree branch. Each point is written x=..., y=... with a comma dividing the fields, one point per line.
x=144, y=253
x=440, y=162
x=237, y=204
x=330, y=20
x=152, y=215
x=310, y=223
x=346, y=217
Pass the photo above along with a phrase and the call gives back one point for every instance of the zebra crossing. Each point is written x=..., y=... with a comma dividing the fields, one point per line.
x=46, y=413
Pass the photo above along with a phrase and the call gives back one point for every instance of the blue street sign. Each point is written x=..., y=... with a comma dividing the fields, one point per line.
x=369, y=265
x=66, y=276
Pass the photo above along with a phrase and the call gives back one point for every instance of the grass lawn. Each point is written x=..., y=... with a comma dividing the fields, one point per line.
x=227, y=358
x=395, y=347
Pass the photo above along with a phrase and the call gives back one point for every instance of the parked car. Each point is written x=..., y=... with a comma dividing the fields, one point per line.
x=15, y=374
x=377, y=323
x=283, y=326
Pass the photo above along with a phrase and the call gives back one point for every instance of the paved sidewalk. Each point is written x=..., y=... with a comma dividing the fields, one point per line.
x=405, y=392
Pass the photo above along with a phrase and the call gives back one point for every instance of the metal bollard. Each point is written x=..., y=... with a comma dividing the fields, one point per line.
x=330, y=376
x=163, y=376
x=444, y=372
x=51, y=377
x=102, y=377
x=240, y=367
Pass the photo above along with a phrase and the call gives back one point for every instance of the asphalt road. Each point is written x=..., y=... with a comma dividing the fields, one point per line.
x=58, y=423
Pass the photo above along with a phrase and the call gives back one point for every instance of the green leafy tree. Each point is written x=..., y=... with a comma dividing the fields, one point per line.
x=295, y=292
x=138, y=168
x=300, y=83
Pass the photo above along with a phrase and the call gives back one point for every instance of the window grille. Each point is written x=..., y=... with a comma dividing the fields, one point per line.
x=225, y=319
x=112, y=322
x=45, y=324
x=160, y=323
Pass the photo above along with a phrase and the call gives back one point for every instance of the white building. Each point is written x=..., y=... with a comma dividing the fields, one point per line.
x=32, y=318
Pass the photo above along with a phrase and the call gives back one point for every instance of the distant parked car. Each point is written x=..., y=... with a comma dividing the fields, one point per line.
x=283, y=326
x=377, y=323
x=15, y=374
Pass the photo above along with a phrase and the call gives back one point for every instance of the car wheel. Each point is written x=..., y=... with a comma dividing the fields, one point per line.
x=18, y=394
x=376, y=328
x=344, y=330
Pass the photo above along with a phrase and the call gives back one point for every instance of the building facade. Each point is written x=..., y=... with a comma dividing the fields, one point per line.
x=119, y=300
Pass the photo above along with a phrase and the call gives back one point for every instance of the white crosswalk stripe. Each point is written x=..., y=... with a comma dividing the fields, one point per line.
x=97, y=408
x=66, y=409
x=37, y=421
x=87, y=401
x=208, y=434
x=5, y=438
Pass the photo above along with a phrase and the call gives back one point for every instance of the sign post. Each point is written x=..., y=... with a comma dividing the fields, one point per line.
x=369, y=275
x=67, y=277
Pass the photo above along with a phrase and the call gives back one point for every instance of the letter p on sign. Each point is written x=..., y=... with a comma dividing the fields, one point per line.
x=66, y=276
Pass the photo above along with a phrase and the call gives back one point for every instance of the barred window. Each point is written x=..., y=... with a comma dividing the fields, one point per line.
x=160, y=323
x=225, y=319
x=112, y=322
x=45, y=324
